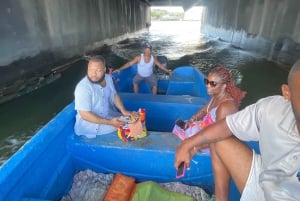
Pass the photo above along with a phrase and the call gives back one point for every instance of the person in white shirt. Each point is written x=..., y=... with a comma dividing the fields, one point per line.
x=145, y=63
x=97, y=103
x=274, y=173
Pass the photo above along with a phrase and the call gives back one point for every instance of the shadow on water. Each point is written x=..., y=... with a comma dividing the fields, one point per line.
x=22, y=117
x=261, y=78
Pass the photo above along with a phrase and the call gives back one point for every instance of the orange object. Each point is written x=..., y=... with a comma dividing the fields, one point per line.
x=122, y=188
x=142, y=115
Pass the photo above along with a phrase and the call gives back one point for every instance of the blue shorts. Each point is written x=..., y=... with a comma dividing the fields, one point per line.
x=151, y=80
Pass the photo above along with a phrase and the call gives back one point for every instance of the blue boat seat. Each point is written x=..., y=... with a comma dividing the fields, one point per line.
x=187, y=80
x=180, y=85
x=161, y=108
x=108, y=154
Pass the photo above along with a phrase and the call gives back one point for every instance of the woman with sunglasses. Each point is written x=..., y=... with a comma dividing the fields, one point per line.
x=225, y=99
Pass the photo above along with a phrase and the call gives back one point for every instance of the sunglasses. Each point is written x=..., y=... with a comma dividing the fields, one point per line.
x=211, y=83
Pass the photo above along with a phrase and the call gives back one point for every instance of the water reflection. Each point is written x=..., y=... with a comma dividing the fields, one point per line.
x=181, y=42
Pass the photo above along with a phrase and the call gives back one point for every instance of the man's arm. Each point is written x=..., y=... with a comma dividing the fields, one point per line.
x=130, y=63
x=93, y=118
x=162, y=67
x=119, y=104
x=213, y=133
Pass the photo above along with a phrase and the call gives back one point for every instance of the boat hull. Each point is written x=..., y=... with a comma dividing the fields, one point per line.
x=44, y=167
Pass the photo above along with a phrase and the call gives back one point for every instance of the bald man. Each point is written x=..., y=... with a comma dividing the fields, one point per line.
x=274, y=122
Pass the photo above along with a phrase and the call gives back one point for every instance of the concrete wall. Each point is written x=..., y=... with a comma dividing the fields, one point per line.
x=39, y=35
x=268, y=27
x=36, y=35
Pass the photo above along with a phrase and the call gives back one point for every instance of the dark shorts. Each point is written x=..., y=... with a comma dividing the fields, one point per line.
x=151, y=80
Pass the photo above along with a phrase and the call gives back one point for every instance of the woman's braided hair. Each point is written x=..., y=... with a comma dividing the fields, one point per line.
x=236, y=93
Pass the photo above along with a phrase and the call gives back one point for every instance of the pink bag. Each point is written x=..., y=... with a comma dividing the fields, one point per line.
x=193, y=128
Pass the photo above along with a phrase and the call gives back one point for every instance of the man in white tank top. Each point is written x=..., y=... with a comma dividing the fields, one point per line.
x=145, y=63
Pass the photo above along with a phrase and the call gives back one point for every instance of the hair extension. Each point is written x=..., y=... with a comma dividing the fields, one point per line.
x=236, y=93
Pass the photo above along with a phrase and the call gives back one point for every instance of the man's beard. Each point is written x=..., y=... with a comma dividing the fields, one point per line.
x=98, y=81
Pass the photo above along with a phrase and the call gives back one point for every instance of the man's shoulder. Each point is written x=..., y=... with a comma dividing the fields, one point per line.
x=264, y=105
x=108, y=77
x=275, y=105
x=83, y=83
x=273, y=100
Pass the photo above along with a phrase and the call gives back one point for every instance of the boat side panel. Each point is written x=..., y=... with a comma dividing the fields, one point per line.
x=41, y=168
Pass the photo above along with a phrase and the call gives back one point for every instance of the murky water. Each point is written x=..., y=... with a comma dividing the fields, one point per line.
x=181, y=42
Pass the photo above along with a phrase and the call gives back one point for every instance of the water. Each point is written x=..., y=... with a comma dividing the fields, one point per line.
x=181, y=42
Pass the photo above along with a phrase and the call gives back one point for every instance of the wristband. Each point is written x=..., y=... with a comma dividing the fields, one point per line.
x=195, y=150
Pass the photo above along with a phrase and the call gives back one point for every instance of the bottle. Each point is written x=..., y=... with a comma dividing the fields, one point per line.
x=127, y=131
x=142, y=112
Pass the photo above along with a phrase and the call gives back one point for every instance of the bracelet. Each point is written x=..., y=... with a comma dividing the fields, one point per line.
x=194, y=118
x=195, y=150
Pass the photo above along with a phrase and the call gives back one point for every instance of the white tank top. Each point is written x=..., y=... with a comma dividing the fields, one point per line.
x=145, y=69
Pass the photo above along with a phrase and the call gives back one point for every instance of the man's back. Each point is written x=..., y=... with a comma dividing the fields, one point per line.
x=271, y=121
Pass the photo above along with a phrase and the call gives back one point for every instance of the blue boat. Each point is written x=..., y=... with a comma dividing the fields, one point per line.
x=185, y=88
x=43, y=168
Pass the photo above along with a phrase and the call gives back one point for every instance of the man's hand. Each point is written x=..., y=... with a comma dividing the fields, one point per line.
x=116, y=123
x=130, y=113
x=117, y=71
x=183, y=154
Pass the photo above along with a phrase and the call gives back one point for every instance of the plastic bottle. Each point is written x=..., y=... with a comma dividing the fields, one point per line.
x=142, y=112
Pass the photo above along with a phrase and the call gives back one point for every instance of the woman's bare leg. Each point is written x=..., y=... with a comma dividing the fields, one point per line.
x=236, y=158
x=221, y=176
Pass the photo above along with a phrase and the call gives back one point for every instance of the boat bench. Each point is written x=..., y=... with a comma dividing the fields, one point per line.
x=108, y=154
x=148, y=158
x=188, y=81
x=181, y=85
x=162, y=108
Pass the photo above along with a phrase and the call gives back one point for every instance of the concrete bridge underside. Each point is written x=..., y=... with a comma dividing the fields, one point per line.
x=37, y=35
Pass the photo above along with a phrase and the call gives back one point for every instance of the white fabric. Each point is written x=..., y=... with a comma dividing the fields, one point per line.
x=271, y=121
x=145, y=69
x=99, y=100
x=252, y=191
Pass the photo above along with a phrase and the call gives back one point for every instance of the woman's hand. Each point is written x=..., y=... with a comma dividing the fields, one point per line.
x=193, y=118
x=187, y=124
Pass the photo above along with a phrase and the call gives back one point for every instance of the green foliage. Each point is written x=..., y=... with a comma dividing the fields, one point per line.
x=158, y=14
